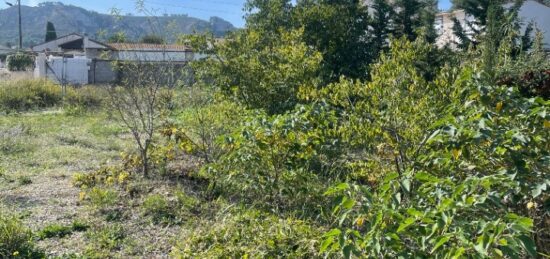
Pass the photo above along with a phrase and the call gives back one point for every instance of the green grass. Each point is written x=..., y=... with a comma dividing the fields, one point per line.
x=53, y=142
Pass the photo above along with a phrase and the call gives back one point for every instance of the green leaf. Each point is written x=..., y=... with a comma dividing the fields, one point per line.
x=528, y=244
x=441, y=241
x=337, y=189
x=326, y=243
x=425, y=177
x=348, y=203
x=406, y=184
x=333, y=232
x=538, y=190
x=347, y=251
x=405, y=224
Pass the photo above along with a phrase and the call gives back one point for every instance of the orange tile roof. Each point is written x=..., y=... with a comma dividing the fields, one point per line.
x=149, y=47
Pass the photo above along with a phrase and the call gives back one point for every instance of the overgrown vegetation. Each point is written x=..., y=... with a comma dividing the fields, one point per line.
x=25, y=95
x=297, y=141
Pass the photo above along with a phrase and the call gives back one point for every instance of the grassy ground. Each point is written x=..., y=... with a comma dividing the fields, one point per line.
x=39, y=153
x=45, y=149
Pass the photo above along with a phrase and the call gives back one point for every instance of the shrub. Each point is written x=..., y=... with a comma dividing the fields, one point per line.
x=19, y=62
x=104, y=176
x=26, y=95
x=102, y=198
x=274, y=160
x=15, y=239
x=23, y=95
x=243, y=233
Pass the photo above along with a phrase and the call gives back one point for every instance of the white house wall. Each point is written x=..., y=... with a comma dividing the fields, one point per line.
x=63, y=70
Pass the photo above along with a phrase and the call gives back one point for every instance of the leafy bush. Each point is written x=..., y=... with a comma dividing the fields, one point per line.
x=29, y=94
x=16, y=241
x=271, y=160
x=19, y=62
x=268, y=76
x=243, y=233
x=204, y=123
x=102, y=198
x=102, y=177
x=473, y=186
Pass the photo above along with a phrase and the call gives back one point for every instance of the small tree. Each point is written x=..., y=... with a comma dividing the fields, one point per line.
x=152, y=39
x=51, y=34
x=138, y=101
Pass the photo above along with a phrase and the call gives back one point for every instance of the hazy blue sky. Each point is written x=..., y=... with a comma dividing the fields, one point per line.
x=230, y=10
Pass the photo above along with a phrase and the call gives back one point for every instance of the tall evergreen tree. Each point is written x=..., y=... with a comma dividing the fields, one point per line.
x=489, y=20
x=380, y=24
x=339, y=29
x=413, y=18
x=51, y=34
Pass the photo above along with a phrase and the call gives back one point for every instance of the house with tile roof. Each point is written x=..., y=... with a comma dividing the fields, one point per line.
x=77, y=59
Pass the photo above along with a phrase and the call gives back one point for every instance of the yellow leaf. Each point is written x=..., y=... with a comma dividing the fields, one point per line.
x=457, y=153
x=531, y=205
x=547, y=124
x=82, y=196
x=499, y=106
x=360, y=222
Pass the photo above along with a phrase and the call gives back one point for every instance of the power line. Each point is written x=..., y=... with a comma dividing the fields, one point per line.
x=189, y=7
x=217, y=2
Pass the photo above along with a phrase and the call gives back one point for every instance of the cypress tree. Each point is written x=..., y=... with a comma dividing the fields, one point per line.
x=50, y=32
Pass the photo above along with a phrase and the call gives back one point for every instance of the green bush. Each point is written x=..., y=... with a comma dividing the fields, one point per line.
x=16, y=241
x=102, y=198
x=19, y=62
x=24, y=95
x=242, y=233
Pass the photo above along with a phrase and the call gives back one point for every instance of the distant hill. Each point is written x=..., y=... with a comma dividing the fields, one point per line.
x=68, y=19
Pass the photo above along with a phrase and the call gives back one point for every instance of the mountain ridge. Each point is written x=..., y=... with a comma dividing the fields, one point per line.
x=73, y=19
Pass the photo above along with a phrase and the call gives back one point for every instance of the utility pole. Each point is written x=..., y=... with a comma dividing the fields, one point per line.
x=20, y=30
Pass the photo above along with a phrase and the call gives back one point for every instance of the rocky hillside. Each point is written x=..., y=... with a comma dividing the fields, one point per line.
x=68, y=19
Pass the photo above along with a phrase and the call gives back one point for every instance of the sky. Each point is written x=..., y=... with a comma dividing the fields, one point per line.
x=230, y=10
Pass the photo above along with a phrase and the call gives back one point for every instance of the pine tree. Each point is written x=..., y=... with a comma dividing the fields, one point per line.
x=413, y=18
x=488, y=20
x=381, y=25
x=50, y=32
